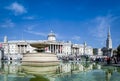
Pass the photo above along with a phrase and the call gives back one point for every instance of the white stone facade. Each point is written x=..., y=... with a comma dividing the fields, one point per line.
x=13, y=47
x=67, y=48
x=80, y=49
x=109, y=40
x=58, y=47
x=51, y=36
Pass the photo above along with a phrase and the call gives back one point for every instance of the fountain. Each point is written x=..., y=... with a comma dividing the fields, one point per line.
x=40, y=58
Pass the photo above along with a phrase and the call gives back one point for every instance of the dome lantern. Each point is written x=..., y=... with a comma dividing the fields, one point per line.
x=51, y=36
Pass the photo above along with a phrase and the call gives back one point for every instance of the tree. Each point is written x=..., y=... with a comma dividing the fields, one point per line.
x=114, y=52
x=118, y=53
x=94, y=51
x=104, y=50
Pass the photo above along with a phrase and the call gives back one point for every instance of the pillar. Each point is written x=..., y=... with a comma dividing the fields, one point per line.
x=55, y=48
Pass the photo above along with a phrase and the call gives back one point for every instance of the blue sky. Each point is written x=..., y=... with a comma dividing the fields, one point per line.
x=74, y=20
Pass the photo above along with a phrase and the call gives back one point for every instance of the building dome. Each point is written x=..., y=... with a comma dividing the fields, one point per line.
x=51, y=36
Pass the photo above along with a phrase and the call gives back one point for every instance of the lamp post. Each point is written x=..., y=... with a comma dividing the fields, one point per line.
x=86, y=57
x=84, y=48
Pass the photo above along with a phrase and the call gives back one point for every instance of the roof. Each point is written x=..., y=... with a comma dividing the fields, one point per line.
x=51, y=34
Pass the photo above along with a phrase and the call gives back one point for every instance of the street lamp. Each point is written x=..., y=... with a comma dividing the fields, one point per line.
x=85, y=55
x=85, y=48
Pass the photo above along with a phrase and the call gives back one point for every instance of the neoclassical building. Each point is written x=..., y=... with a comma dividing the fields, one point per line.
x=51, y=46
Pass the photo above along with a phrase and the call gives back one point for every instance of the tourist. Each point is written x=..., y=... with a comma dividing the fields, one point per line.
x=108, y=60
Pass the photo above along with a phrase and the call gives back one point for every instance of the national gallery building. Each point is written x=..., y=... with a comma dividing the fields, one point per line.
x=51, y=45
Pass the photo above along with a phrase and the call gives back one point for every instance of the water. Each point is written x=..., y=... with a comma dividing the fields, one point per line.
x=72, y=71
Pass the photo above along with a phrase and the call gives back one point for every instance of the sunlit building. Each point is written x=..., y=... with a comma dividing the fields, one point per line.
x=1, y=52
x=52, y=46
x=108, y=50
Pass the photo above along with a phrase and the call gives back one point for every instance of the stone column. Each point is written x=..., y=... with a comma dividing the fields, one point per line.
x=23, y=49
x=17, y=48
x=77, y=51
x=57, y=49
x=8, y=48
x=20, y=48
x=53, y=48
x=50, y=48
x=73, y=50
x=60, y=49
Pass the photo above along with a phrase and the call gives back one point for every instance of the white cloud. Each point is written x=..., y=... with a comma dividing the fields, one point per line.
x=36, y=33
x=29, y=17
x=77, y=38
x=31, y=26
x=16, y=8
x=99, y=27
x=7, y=24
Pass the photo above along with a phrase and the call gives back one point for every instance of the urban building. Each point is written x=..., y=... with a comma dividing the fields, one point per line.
x=15, y=47
x=98, y=51
x=108, y=51
x=1, y=53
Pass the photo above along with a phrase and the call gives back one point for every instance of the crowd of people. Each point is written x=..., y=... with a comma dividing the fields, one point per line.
x=106, y=59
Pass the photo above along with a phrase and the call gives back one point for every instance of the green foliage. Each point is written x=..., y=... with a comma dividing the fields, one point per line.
x=118, y=50
x=118, y=69
x=39, y=78
x=94, y=52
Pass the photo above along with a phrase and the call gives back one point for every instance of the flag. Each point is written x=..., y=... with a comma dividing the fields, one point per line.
x=0, y=45
x=46, y=49
x=60, y=48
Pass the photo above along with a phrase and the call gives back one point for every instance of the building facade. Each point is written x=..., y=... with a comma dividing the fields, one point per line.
x=1, y=53
x=98, y=51
x=109, y=40
x=54, y=46
x=108, y=51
